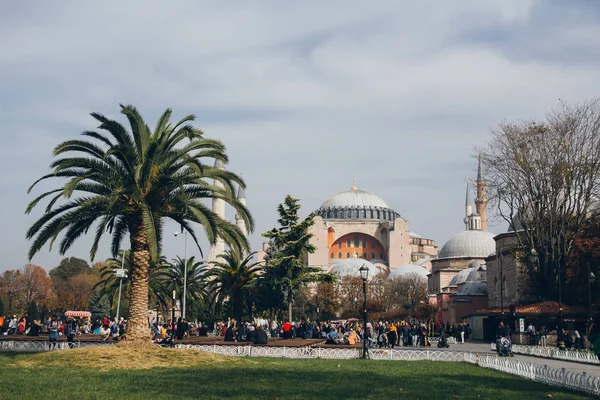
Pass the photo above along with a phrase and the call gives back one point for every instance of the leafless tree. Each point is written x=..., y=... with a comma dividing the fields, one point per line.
x=406, y=291
x=543, y=178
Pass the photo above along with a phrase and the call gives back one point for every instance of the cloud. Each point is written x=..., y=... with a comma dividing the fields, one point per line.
x=305, y=95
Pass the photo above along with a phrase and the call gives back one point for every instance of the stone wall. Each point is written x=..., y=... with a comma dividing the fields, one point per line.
x=512, y=265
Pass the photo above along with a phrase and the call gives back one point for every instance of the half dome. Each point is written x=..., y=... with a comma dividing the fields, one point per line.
x=350, y=267
x=406, y=270
x=473, y=244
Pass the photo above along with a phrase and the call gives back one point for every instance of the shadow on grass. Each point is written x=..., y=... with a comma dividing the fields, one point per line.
x=288, y=379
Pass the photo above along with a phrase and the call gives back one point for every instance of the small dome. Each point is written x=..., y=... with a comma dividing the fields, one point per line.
x=355, y=198
x=407, y=269
x=473, y=289
x=350, y=267
x=476, y=244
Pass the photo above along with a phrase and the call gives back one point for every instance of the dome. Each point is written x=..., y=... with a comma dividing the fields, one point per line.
x=407, y=269
x=350, y=267
x=354, y=198
x=476, y=244
x=473, y=289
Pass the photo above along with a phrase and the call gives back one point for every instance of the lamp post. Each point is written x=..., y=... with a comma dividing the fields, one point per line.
x=591, y=280
x=120, y=273
x=184, y=268
x=173, y=321
x=157, y=319
x=364, y=274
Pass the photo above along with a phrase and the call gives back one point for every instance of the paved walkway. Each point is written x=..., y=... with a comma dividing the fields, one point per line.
x=484, y=348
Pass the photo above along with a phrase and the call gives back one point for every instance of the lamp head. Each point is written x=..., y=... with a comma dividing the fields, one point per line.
x=592, y=277
x=364, y=272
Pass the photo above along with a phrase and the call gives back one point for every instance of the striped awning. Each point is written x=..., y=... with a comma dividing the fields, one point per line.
x=80, y=314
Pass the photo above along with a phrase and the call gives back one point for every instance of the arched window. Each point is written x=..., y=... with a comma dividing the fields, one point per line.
x=348, y=213
x=331, y=255
x=356, y=241
x=357, y=213
x=372, y=256
x=348, y=243
x=328, y=213
x=364, y=213
x=378, y=217
x=347, y=255
x=365, y=256
x=364, y=243
x=339, y=255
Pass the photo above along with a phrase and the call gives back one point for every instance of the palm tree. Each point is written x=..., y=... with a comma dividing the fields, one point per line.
x=108, y=283
x=129, y=182
x=234, y=277
x=174, y=274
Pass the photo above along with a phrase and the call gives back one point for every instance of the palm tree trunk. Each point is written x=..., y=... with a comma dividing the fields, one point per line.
x=137, y=326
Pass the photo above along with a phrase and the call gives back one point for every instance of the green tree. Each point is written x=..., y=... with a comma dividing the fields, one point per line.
x=99, y=305
x=173, y=276
x=128, y=183
x=285, y=269
x=68, y=268
x=234, y=276
x=1, y=307
x=32, y=311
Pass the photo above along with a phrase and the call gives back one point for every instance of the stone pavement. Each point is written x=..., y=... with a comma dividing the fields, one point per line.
x=484, y=348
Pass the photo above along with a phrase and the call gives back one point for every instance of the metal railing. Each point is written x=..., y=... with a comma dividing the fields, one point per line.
x=579, y=356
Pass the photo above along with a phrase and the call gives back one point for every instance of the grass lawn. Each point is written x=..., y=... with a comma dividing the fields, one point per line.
x=109, y=373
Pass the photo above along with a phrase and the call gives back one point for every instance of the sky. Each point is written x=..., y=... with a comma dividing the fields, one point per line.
x=305, y=95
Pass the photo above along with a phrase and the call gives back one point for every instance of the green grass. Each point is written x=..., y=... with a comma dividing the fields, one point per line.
x=262, y=378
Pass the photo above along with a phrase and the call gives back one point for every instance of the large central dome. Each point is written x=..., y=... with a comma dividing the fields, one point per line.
x=356, y=204
x=355, y=198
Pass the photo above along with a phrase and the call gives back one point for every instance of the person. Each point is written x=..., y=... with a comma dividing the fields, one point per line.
x=202, y=330
x=70, y=331
x=287, y=330
x=543, y=336
x=34, y=330
x=333, y=337
x=230, y=334
x=501, y=332
x=181, y=328
x=594, y=338
x=352, y=337
x=53, y=331
x=261, y=336
x=104, y=332
x=415, y=335
x=461, y=332
x=392, y=335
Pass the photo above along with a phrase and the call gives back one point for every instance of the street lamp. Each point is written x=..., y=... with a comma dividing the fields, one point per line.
x=364, y=274
x=120, y=273
x=591, y=280
x=173, y=320
x=501, y=261
x=184, y=268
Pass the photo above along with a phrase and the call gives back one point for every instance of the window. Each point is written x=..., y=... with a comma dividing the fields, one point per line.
x=372, y=256
x=348, y=243
x=339, y=245
x=347, y=255
x=339, y=255
x=365, y=256
x=382, y=256
x=364, y=243
x=356, y=241
x=331, y=255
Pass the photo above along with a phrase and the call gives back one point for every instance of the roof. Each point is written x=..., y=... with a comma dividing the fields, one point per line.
x=350, y=267
x=407, y=269
x=546, y=307
x=356, y=198
x=415, y=235
x=473, y=244
x=472, y=288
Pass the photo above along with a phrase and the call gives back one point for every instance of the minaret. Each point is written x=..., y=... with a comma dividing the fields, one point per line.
x=239, y=221
x=481, y=200
x=218, y=207
x=468, y=206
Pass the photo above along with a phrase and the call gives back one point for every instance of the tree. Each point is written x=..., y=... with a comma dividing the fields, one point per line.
x=33, y=312
x=285, y=268
x=543, y=177
x=127, y=183
x=108, y=283
x=173, y=277
x=9, y=289
x=99, y=305
x=406, y=291
x=68, y=268
x=234, y=276
x=35, y=284
x=1, y=307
